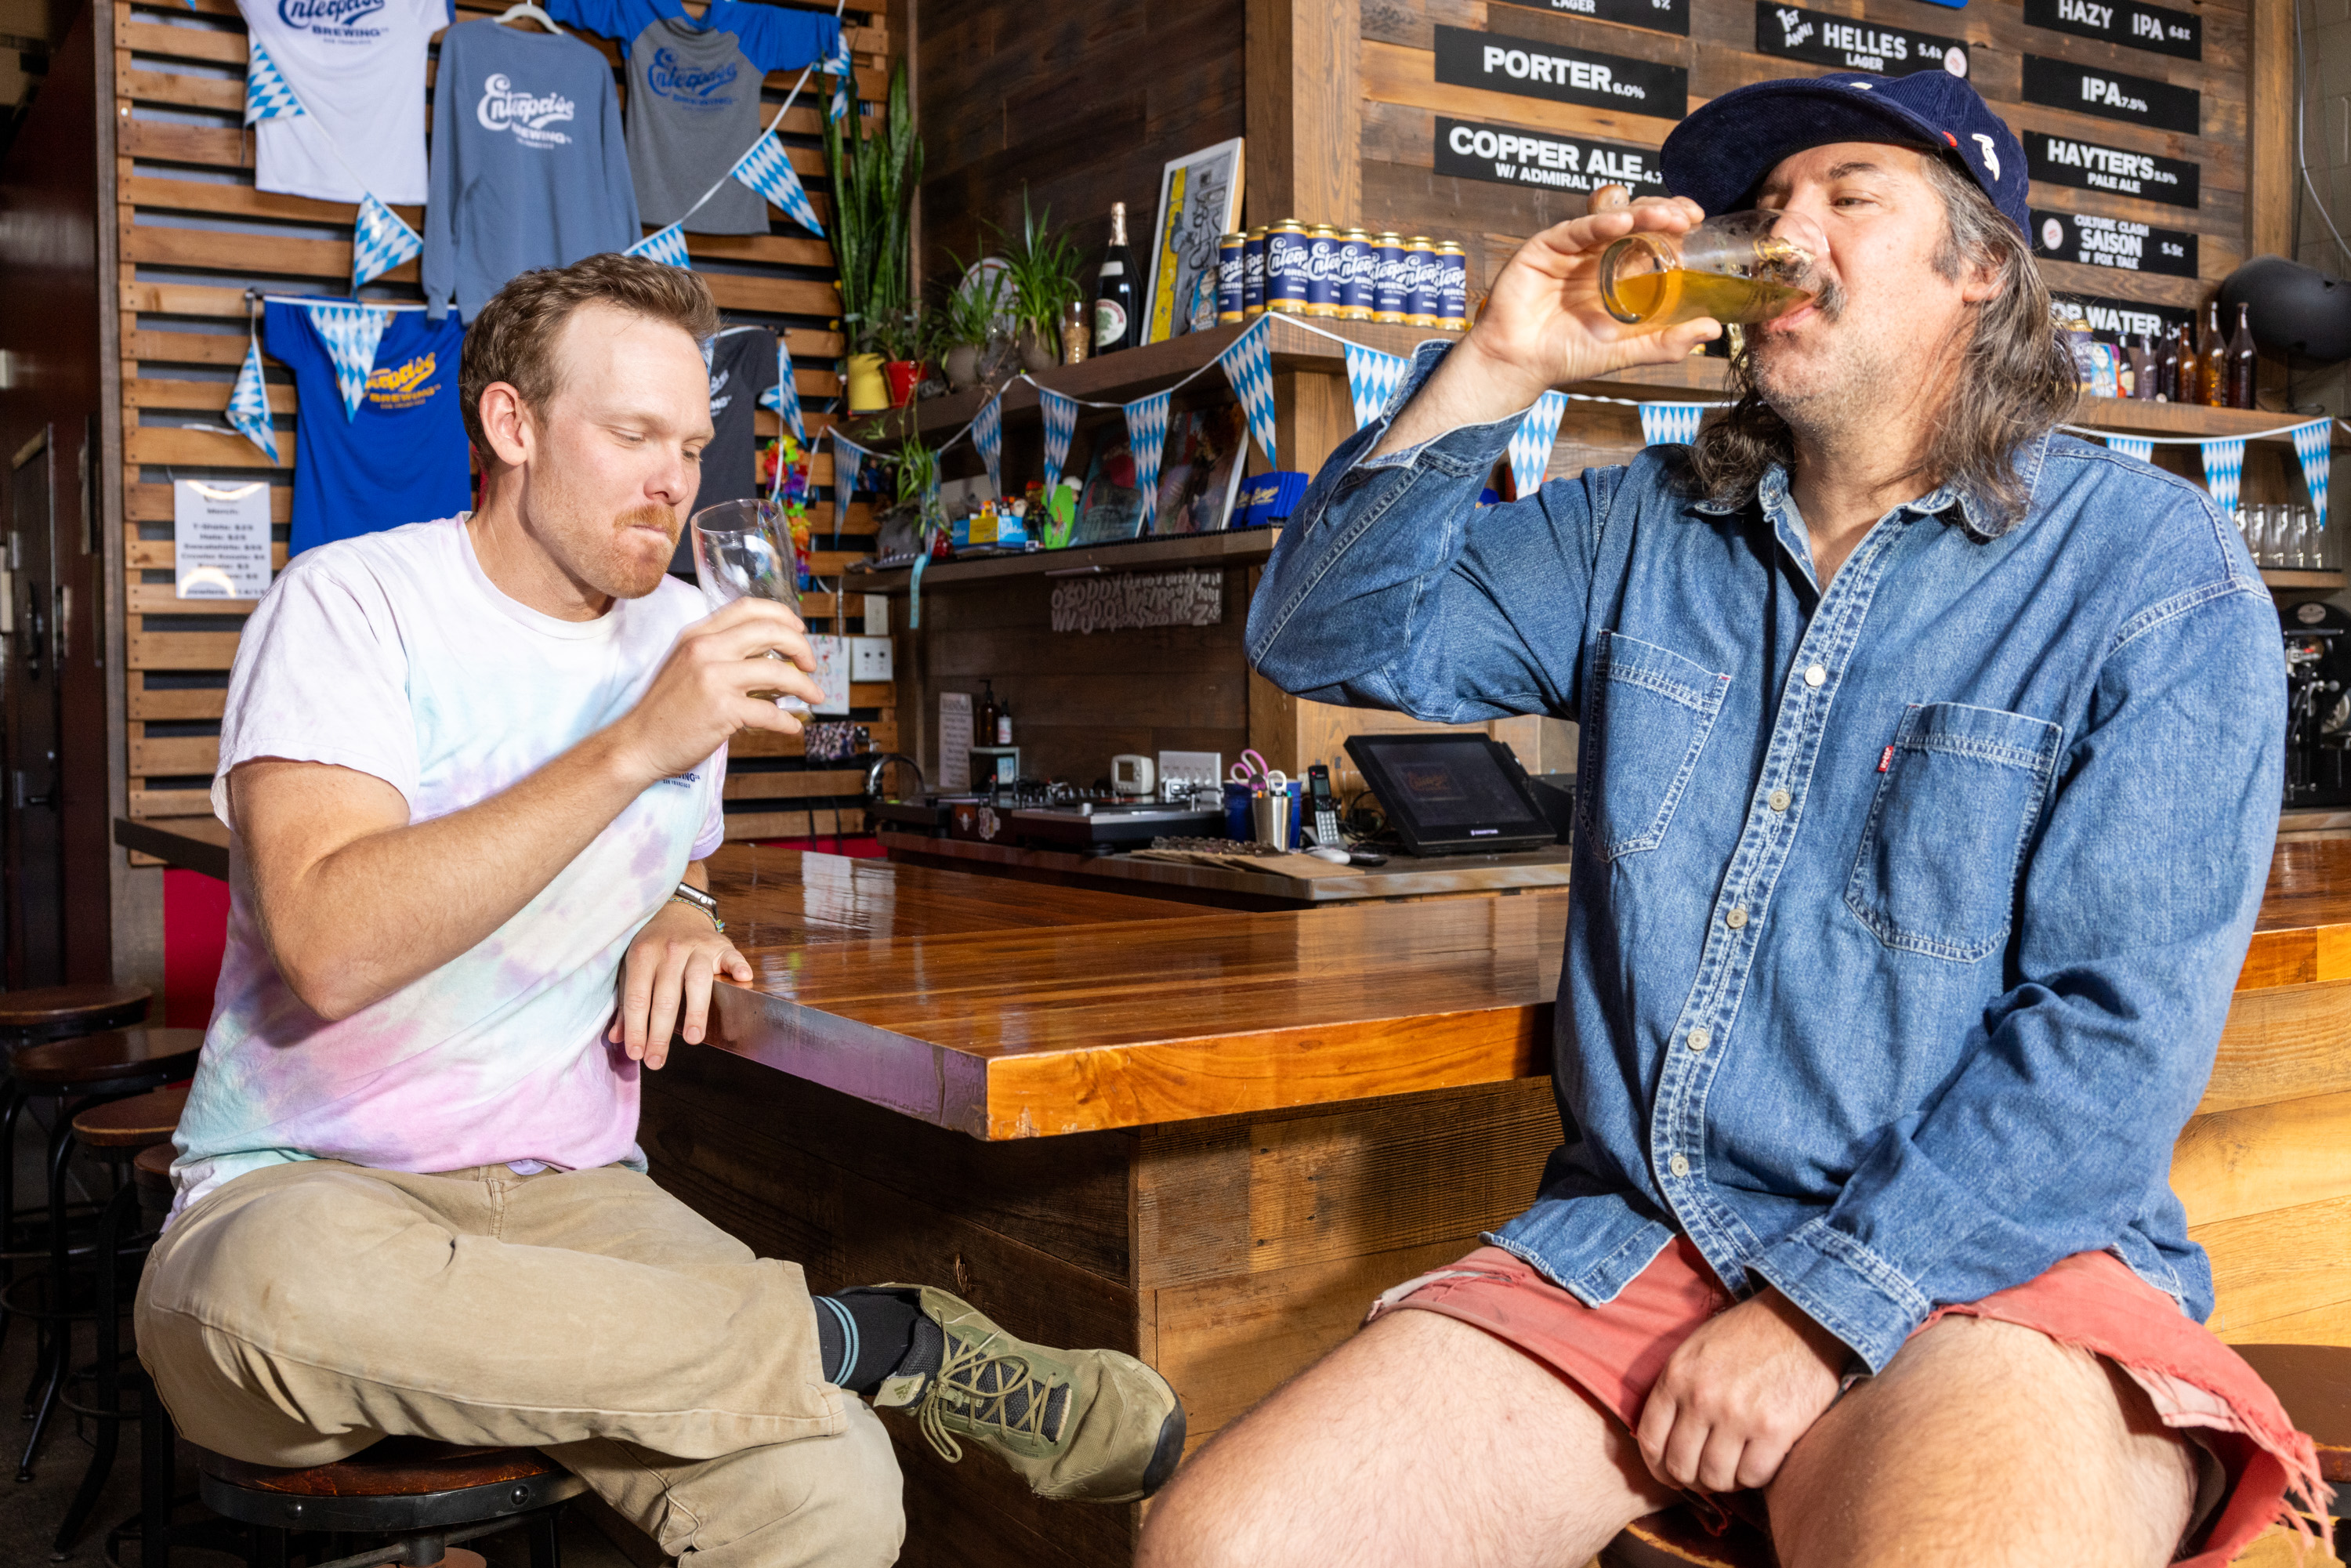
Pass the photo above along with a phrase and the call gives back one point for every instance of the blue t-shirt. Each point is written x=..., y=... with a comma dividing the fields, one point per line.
x=401, y=456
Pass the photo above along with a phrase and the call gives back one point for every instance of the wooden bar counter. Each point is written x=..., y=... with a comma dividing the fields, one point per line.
x=1212, y=1138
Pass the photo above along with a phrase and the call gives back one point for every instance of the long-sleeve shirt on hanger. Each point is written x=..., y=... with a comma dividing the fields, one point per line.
x=357, y=66
x=693, y=98
x=528, y=166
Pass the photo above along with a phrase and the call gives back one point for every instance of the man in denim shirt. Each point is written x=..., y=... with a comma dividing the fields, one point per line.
x=1930, y=771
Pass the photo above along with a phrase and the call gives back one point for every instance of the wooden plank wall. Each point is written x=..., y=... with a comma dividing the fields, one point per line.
x=1401, y=100
x=195, y=233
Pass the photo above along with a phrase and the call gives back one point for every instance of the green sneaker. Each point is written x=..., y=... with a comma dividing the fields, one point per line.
x=1088, y=1425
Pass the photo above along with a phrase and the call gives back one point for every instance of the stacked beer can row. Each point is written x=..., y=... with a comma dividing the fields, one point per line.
x=1290, y=268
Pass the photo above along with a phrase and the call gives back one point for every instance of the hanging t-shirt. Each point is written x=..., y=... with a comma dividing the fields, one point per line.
x=358, y=65
x=396, y=655
x=693, y=98
x=528, y=168
x=401, y=456
x=742, y=366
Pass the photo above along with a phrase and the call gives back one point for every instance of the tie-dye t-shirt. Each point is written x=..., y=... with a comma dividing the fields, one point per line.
x=394, y=654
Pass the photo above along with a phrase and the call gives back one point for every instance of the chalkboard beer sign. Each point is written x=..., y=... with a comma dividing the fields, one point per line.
x=1826, y=38
x=1506, y=155
x=2111, y=95
x=1527, y=68
x=2136, y=26
x=2090, y=240
x=2086, y=166
x=1658, y=15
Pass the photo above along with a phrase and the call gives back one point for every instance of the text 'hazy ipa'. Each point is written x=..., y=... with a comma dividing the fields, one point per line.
x=1667, y=298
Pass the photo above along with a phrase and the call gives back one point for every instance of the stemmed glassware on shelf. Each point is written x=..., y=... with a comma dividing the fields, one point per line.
x=2285, y=537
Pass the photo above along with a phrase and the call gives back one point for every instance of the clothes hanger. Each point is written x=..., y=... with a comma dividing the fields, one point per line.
x=525, y=10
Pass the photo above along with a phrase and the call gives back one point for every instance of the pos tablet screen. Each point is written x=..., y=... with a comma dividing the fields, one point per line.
x=1452, y=794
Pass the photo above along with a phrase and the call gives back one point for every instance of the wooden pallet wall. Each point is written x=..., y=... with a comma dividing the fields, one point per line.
x=194, y=234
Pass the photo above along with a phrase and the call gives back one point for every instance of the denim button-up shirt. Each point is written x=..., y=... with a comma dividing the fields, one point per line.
x=1904, y=915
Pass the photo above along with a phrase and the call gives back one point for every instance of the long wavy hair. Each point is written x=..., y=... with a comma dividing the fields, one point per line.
x=2016, y=379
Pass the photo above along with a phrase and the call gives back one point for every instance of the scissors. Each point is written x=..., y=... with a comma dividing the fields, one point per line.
x=1251, y=770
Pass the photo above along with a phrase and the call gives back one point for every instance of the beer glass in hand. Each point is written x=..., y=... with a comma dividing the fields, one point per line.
x=1744, y=267
x=741, y=551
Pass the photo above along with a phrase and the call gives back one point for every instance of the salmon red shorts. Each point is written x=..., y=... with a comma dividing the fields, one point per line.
x=1615, y=1354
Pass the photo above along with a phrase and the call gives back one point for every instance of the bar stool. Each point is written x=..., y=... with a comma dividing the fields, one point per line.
x=428, y=1496
x=2312, y=1381
x=151, y=1180
x=118, y=1131
x=76, y=1073
x=29, y=1017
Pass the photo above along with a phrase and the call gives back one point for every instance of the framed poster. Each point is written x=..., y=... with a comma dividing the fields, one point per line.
x=1199, y=203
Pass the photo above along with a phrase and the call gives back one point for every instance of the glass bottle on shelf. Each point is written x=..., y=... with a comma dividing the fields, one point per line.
x=2212, y=359
x=984, y=730
x=1117, y=314
x=2242, y=359
x=2167, y=366
x=1077, y=336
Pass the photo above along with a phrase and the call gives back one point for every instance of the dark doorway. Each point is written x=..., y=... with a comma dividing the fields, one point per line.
x=32, y=917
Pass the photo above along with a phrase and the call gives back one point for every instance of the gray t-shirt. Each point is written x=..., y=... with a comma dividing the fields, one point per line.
x=693, y=109
x=743, y=365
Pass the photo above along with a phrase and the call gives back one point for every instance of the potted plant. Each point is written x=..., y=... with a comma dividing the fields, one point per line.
x=873, y=182
x=970, y=322
x=1041, y=263
x=918, y=492
x=902, y=338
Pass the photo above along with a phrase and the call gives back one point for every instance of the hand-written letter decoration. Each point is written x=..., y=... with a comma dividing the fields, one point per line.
x=1060, y=422
x=767, y=170
x=1530, y=444
x=1146, y=434
x=380, y=241
x=1372, y=378
x=1671, y=423
x=664, y=245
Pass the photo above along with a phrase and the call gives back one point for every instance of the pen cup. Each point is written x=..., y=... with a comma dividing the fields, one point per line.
x=1273, y=817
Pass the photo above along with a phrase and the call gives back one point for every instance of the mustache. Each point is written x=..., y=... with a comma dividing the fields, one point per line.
x=1829, y=300
x=650, y=515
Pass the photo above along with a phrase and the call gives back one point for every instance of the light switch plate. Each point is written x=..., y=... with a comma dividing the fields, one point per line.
x=869, y=658
x=1191, y=767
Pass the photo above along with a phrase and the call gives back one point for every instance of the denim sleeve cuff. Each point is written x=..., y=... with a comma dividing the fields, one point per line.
x=1848, y=1289
x=1460, y=449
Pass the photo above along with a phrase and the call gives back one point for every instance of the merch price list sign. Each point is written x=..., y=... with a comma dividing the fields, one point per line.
x=2092, y=241
x=2152, y=28
x=220, y=539
x=1658, y=15
x=2111, y=95
x=1824, y=39
x=2086, y=166
x=1526, y=68
x=1506, y=156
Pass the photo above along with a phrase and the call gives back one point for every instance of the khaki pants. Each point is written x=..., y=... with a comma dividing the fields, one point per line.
x=297, y=1313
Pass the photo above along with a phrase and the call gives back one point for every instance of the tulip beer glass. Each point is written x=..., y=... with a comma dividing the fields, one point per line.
x=1742, y=268
x=741, y=551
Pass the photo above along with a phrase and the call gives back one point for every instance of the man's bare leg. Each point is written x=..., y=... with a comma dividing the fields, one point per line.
x=1421, y=1442
x=1986, y=1446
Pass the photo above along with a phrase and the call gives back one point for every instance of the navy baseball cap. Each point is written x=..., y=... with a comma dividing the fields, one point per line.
x=1720, y=154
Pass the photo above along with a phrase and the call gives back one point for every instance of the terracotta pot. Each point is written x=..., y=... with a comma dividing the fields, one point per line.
x=963, y=366
x=903, y=376
x=868, y=393
x=1038, y=353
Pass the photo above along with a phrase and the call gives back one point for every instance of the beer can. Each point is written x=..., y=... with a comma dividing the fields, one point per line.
x=1229, y=273
x=1253, y=274
x=1452, y=287
x=1420, y=281
x=1387, y=278
x=1286, y=268
x=1355, y=263
x=1321, y=270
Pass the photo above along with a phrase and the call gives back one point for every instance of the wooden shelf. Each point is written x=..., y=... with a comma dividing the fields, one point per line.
x=1242, y=547
x=2326, y=582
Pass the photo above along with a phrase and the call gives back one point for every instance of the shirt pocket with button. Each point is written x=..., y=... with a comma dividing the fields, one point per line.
x=1939, y=856
x=1650, y=713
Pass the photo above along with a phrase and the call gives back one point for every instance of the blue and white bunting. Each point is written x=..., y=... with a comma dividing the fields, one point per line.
x=1060, y=422
x=847, y=458
x=767, y=170
x=843, y=68
x=1671, y=423
x=248, y=404
x=380, y=241
x=988, y=438
x=2224, y=466
x=1372, y=378
x=784, y=399
x=666, y=246
x=268, y=95
x=352, y=332
x=1248, y=365
x=1146, y=437
x=1530, y=444
x=2314, y=444
x=2137, y=446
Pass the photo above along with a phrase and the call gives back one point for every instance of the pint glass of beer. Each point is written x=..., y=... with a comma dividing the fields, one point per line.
x=1741, y=267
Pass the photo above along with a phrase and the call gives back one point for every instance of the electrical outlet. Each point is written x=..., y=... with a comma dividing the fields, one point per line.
x=869, y=658
x=1191, y=767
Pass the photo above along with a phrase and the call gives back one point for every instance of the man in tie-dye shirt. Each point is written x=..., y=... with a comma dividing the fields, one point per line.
x=473, y=769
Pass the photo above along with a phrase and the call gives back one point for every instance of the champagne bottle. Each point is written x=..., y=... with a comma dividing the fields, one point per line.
x=2242, y=361
x=2212, y=359
x=1118, y=317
